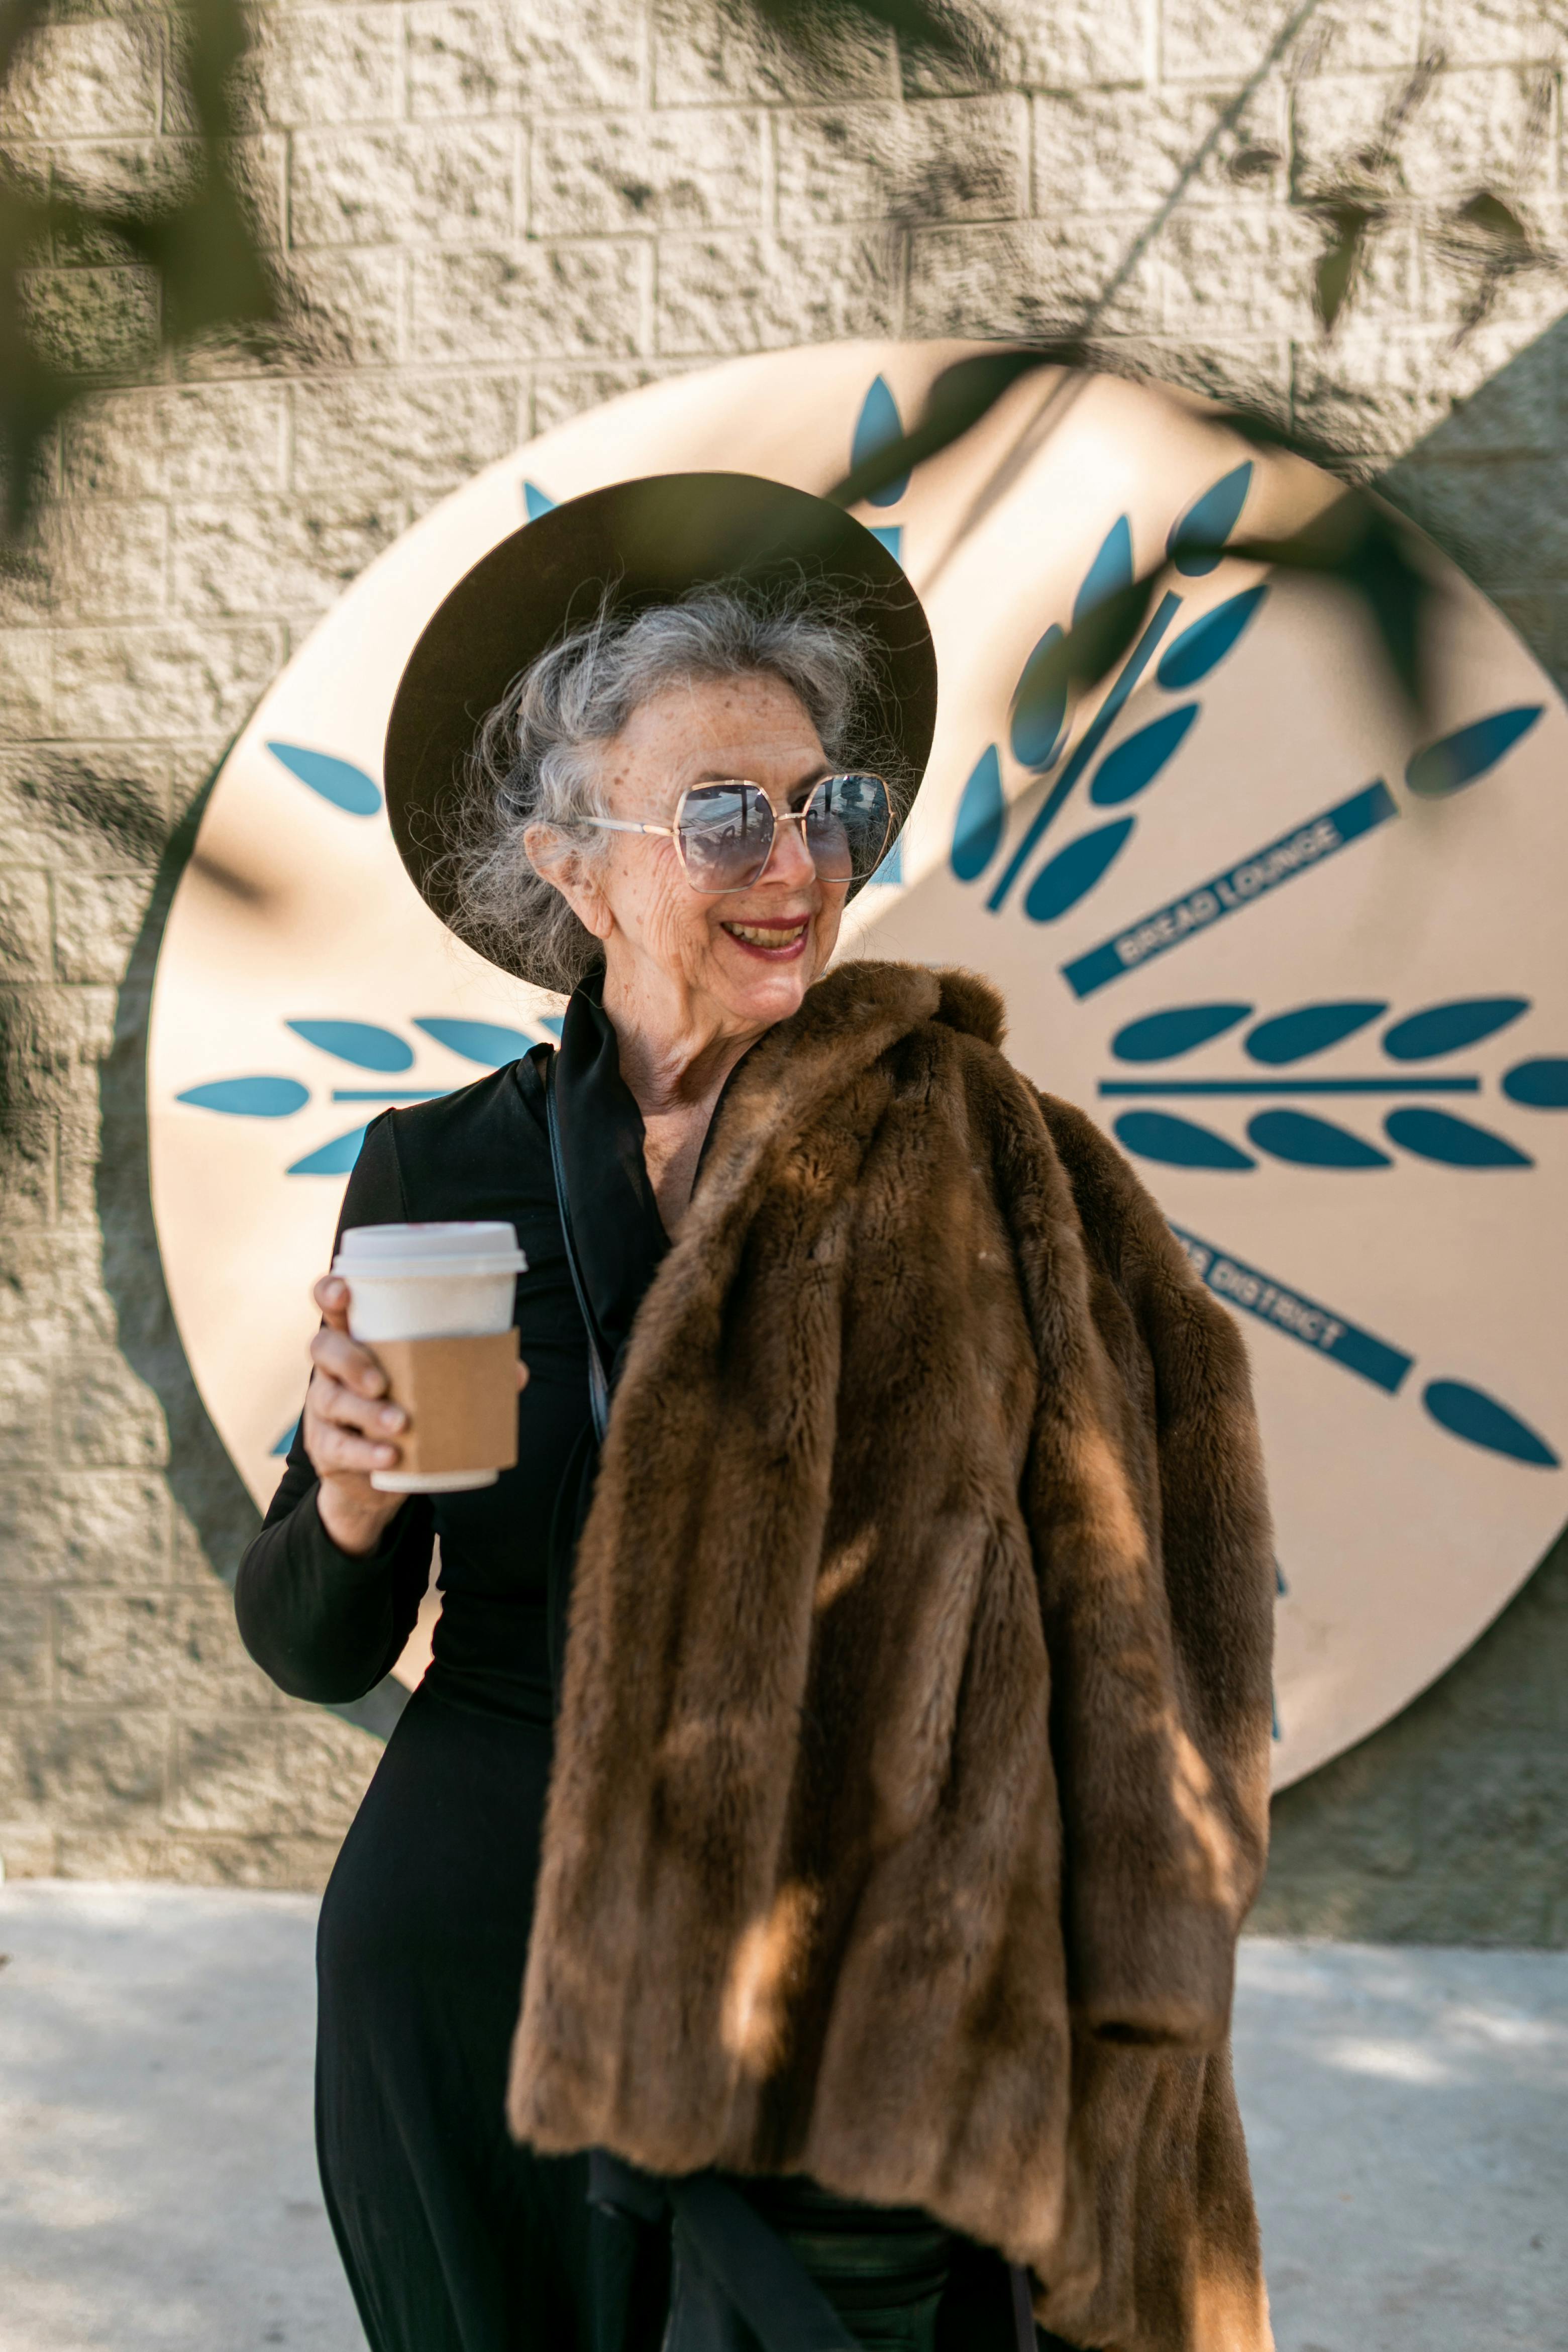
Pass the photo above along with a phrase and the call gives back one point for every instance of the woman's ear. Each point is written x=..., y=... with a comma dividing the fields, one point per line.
x=560, y=860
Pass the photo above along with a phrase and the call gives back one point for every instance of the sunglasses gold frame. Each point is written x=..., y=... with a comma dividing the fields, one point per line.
x=788, y=816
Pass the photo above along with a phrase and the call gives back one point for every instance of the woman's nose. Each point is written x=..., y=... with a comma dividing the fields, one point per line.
x=789, y=861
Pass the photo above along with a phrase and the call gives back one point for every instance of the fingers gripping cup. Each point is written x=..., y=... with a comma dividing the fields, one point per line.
x=435, y=1305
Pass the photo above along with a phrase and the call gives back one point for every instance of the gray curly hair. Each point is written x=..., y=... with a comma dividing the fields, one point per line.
x=536, y=762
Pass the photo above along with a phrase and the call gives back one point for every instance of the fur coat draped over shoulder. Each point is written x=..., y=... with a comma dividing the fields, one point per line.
x=911, y=1770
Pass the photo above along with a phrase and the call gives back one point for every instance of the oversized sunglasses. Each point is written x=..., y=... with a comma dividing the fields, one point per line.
x=724, y=832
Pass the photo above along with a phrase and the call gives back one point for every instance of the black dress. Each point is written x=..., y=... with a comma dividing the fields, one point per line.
x=454, y=2239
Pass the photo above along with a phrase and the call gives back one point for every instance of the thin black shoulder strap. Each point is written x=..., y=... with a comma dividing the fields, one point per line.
x=597, y=1378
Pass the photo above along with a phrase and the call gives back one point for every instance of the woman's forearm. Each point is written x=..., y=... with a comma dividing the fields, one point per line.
x=326, y=1623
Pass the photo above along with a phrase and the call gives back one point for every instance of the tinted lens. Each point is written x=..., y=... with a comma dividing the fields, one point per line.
x=727, y=831
x=847, y=825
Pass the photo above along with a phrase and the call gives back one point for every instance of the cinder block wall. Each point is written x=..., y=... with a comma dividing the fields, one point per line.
x=492, y=213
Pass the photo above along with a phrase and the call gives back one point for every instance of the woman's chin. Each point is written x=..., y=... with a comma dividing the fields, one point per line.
x=763, y=982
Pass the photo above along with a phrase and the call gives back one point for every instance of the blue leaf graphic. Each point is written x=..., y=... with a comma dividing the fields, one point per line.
x=535, y=502
x=1110, y=570
x=1454, y=1142
x=1160, y=1036
x=1073, y=872
x=249, y=1097
x=1205, y=644
x=878, y=424
x=334, y=1158
x=1449, y=1028
x=1313, y=1029
x=1308, y=1142
x=1177, y=1142
x=337, y=780
x=1134, y=764
x=1209, y=520
x=285, y=1441
x=359, y=1042
x=982, y=817
x=1040, y=702
x=478, y=1041
x=1480, y=1420
x=891, y=871
x=1539, y=1086
x=891, y=537
x=1460, y=758
x=553, y=1022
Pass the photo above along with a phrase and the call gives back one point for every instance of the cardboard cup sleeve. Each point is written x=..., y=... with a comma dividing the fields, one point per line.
x=460, y=1399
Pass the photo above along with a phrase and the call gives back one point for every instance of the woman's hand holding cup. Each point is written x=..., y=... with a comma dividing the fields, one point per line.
x=350, y=1427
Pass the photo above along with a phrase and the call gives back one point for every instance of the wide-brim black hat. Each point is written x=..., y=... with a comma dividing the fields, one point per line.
x=639, y=545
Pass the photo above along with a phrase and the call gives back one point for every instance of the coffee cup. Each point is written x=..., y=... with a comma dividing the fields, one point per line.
x=433, y=1304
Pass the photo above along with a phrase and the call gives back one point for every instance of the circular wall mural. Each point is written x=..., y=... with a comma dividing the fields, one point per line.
x=1296, y=949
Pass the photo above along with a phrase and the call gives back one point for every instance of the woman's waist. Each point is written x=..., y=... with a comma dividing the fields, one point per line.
x=491, y=1653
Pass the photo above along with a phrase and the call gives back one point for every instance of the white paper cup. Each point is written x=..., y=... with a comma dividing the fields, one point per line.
x=430, y=1282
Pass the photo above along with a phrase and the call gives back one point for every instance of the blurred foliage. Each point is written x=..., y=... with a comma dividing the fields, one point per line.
x=198, y=240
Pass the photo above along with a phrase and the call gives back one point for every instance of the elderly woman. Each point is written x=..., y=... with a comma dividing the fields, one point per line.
x=848, y=1724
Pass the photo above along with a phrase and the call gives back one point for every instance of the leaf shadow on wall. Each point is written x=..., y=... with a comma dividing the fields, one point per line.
x=202, y=1478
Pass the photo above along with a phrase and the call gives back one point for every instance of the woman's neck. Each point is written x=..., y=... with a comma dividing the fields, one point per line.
x=675, y=1055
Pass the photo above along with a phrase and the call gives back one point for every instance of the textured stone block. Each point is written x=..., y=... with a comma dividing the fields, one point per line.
x=411, y=434
x=84, y=806
x=97, y=1768
x=105, y=1417
x=453, y=182
x=25, y=1411
x=93, y=322
x=346, y=309
x=1106, y=149
x=591, y=175
x=1385, y=386
x=25, y=925
x=29, y=1178
x=1471, y=130
x=26, y=685
x=51, y=1298
x=709, y=51
x=302, y=1865
x=523, y=57
x=1066, y=42
x=28, y=1849
x=180, y=679
x=26, y=1647
x=158, y=443
x=1031, y=279
x=321, y=65
x=325, y=1766
x=1199, y=36
x=1244, y=269
x=226, y=1777
x=762, y=293
x=1494, y=32
x=83, y=80
x=273, y=554
x=119, y=171
x=559, y=393
x=96, y=918
x=84, y=1527
x=938, y=159
x=117, y=1648
x=136, y=1848
x=103, y=563
x=567, y=302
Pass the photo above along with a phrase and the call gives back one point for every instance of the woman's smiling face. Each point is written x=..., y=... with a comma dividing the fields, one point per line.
x=748, y=957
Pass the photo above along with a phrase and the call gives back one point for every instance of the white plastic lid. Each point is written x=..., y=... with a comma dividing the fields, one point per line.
x=482, y=1245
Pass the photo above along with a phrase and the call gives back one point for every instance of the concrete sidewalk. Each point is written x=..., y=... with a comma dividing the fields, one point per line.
x=1407, y=2112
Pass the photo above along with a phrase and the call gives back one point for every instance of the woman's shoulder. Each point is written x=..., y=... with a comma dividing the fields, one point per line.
x=496, y=1122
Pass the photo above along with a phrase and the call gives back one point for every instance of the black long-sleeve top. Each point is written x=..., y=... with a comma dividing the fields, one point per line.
x=326, y=1625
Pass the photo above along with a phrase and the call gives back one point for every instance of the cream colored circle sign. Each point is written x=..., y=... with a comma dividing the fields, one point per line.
x=1298, y=952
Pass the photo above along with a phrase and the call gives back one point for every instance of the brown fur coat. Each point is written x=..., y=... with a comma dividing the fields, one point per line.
x=911, y=1784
